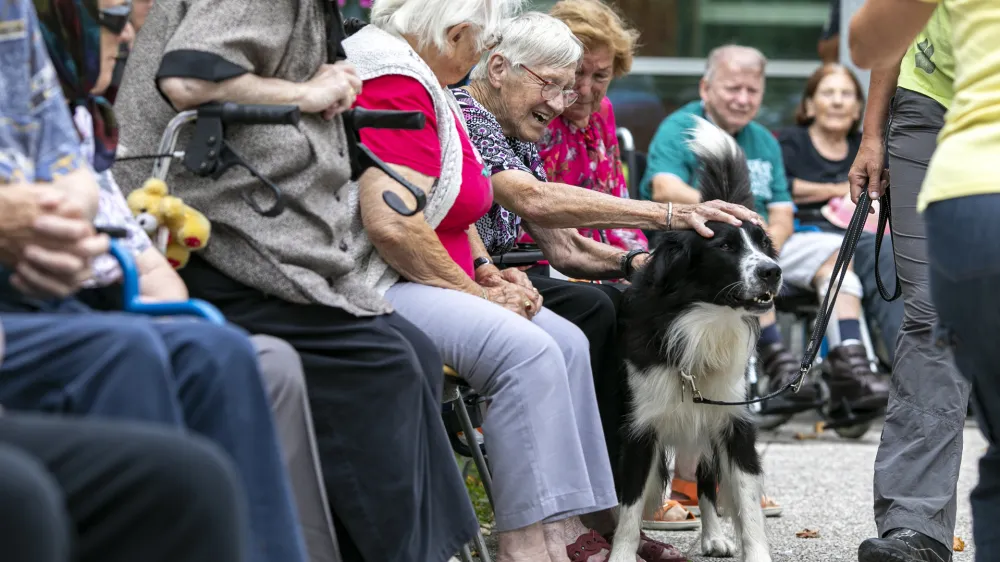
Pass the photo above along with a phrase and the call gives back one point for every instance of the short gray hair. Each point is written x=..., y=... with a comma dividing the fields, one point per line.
x=429, y=20
x=534, y=39
x=737, y=55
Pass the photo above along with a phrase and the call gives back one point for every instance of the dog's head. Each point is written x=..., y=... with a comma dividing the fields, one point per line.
x=735, y=268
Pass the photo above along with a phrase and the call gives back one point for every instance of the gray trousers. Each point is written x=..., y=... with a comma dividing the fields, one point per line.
x=916, y=469
x=285, y=384
x=542, y=429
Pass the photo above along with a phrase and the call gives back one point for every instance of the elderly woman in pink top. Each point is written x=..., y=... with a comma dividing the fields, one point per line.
x=581, y=146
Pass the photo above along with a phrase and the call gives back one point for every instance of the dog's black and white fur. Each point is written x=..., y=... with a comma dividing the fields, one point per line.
x=691, y=315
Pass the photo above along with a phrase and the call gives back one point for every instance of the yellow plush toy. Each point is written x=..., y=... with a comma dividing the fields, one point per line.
x=154, y=208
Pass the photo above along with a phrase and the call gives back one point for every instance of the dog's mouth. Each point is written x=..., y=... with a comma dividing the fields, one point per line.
x=759, y=303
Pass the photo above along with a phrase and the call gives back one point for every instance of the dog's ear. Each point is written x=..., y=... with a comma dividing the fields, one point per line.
x=671, y=261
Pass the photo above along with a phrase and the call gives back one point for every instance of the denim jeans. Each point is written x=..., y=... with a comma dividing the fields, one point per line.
x=63, y=358
x=962, y=243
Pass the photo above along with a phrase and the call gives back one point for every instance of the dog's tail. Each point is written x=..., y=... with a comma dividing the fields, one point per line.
x=724, y=174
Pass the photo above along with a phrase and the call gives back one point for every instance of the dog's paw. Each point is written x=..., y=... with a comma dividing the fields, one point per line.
x=718, y=547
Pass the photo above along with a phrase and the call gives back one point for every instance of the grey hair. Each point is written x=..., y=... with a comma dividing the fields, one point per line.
x=429, y=20
x=744, y=58
x=537, y=40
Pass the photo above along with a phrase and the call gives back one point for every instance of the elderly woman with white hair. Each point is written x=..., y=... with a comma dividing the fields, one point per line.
x=543, y=429
x=516, y=91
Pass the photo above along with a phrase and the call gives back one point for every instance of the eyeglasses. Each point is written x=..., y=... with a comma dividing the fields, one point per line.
x=551, y=90
x=115, y=18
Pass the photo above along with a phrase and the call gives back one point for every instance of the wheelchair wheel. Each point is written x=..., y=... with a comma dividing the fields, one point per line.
x=856, y=431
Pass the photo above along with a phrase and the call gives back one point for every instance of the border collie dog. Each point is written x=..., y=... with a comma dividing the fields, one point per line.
x=689, y=326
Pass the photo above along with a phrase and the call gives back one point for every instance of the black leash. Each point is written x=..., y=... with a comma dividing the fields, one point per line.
x=851, y=237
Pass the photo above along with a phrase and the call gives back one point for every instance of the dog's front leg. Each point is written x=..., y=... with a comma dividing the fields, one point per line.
x=741, y=478
x=714, y=541
x=642, y=456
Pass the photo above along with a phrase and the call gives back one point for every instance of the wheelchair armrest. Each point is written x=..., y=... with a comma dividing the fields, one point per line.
x=130, y=283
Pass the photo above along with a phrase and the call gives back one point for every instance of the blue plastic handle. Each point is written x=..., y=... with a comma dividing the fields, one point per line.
x=130, y=281
x=806, y=228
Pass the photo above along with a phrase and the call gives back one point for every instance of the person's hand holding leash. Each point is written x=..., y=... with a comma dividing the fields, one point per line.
x=869, y=171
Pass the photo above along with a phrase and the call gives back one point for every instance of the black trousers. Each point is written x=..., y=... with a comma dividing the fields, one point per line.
x=594, y=309
x=375, y=388
x=93, y=491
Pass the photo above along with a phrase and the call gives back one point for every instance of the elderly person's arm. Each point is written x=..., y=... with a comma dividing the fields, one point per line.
x=158, y=280
x=45, y=231
x=558, y=205
x=873, y=43
x=411, y=247
x=204, y=62
x=581, y=257
x=780, y=225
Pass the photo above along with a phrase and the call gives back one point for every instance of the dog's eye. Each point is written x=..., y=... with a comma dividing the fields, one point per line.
x=726, y=247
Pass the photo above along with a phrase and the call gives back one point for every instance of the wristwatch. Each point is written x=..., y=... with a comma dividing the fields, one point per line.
x=479, y=262
x=626, y=261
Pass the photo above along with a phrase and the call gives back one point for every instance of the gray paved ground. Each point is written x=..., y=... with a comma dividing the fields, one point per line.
x=826, y=484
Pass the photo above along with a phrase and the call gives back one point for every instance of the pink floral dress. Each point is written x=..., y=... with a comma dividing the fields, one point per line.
x=589, y=158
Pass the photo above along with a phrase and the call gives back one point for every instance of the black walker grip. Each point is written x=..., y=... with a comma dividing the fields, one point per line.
x=256, y=114
x=363, y=118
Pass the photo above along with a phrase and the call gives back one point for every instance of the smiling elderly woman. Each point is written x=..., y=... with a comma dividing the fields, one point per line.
x=543, y=429
x=516, y=91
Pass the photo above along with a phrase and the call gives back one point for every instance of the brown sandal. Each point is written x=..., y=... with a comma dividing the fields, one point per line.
x=587, y=545
x=652, y=550
x=671, y=517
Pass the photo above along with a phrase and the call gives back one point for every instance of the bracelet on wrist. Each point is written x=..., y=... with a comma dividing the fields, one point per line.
x=670, y=215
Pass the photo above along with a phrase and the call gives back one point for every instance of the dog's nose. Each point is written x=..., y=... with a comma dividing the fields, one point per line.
x=769, y=272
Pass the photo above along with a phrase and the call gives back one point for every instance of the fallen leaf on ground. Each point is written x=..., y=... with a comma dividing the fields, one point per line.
x=817, y=430
x=808, y=534
x=957, y=544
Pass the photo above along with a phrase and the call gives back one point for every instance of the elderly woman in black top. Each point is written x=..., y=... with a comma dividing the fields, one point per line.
x=818, y=153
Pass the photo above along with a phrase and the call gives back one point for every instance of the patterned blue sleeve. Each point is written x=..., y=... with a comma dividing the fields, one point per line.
x=57, y=149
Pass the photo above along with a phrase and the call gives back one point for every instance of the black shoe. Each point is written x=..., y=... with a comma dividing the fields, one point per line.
x=781, y=368
x=903, y=545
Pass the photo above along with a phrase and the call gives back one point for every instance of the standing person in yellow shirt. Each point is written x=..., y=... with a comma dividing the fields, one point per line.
x=960, y=199
x=918, y=460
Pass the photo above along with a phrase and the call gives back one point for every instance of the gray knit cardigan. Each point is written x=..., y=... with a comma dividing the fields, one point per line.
x=376, y=53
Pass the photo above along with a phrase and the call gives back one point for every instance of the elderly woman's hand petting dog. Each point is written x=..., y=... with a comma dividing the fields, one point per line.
x=694, y=217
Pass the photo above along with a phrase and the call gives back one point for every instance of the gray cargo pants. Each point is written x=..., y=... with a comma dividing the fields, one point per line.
x=916, y=469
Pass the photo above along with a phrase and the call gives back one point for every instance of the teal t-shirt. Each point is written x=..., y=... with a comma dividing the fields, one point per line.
x=669, y=154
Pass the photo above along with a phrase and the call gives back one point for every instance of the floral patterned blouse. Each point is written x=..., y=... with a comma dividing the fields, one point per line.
x=498, y=228
x=590, y=158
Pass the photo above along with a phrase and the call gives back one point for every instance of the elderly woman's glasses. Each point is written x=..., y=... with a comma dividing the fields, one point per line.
x=115, y=18
x=551, y=90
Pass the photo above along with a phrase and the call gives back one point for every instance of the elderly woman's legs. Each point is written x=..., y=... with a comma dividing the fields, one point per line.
x=543, y=433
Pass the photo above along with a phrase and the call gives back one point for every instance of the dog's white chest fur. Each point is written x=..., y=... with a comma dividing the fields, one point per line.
x=716, y=343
